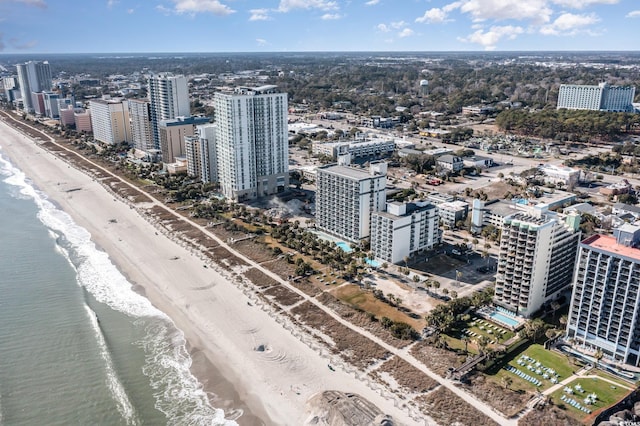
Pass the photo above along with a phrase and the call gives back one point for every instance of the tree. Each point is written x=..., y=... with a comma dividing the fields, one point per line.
x=483, y=342
x=598, y=356
x=533, y=329
x=465, y=340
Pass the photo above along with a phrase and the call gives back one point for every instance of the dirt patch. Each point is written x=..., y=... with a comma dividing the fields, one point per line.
x=259, y=278
x=254, y=250
x=283, y=295
x=446, y=408
x=362, y=319
x=350, y=345
x=407, y=376
x=436, y=359
x=507, y=401
x=549, y=415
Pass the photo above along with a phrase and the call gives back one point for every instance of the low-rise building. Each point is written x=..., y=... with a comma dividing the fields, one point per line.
x=478, y=161
x=362, y=148
x=617, y=188
x=452, y=212
x=450, y=162
x=566, y=176
x=403, y=230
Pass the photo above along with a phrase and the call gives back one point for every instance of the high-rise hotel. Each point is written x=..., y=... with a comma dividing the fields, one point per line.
x=536, y=260
x=602, y=97
x=33, y=77
x=252, y=144
x=605, y=305
x=169, y=99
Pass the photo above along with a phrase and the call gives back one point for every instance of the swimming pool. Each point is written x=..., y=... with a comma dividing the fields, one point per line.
x=372, y=262
x=501, y=318
x=344, y=246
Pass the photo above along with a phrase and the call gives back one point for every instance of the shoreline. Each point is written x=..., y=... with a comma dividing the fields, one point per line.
x=219, y=319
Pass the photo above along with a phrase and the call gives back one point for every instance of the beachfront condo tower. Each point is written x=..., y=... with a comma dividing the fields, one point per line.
x=536, y=260
x=110, y=120
x=33, y=77
x=141, y=130
x=346, y=197
x=605, y=305
x=252, y=145
x=168, y=98
x=602, y=97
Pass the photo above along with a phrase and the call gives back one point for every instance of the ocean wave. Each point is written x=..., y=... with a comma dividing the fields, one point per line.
x=178, y=394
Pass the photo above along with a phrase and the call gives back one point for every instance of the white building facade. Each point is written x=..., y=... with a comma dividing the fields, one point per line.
x=169, y=98
x=404, y=230
x=602, y=97
x=605, y=304
x=110, y=120
x=536, y=259
x=346, y=198
x=141, y=129
x=252, y=145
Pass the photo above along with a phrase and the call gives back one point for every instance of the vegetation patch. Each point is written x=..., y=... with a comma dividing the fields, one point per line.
x=283, y=295
x=446, y=408
x=407, y=376
x=259, y=278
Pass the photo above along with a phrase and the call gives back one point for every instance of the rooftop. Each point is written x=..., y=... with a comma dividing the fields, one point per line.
x=609, y=244
x=348, y=172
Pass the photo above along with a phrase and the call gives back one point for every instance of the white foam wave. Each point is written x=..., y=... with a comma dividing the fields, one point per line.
x=167, y=361
x=125, y=408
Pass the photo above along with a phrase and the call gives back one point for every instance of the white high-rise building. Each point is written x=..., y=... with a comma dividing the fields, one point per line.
x=110, y=120
x=169, y=98
x=33, y=77
x=602, y=97
x=252, y=145
x=403, y=230
x=141, y=130
x=346, y=198
x=605, y=304
x=537, y=256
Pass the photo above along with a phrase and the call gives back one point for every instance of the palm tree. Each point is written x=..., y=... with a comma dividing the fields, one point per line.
x=598, y=356
x=483, y=342
x=465, y=340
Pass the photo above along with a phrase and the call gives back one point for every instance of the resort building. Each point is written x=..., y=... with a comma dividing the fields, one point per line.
x=605, y=304
x=602, y=97
x=110, y=120
x=536, y=259
x=201, y=153
x=168, y=98
x=346, y=197
x=362, y=147
x=33, y=77
x=172, y=136
x=82, y=120
x=252, y=143
x=141, y=129
x=403, y=230
x=51, y=105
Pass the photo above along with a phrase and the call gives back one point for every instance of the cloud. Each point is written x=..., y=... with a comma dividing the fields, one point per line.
x=633, y=14
x=111, y=3
x=130, y=11
x=372, y=2
x=437, y=15
x=259, y=15
x=398, y=24
x=22, y=45
x=202, y=6
x=289, y=5
x=489, y=39
x=581, y=4
x=331, y=16
x=569, y=24
x=407, y=32
x=537, y=11
x=383, y=28
x=35, y=3
x=261, y=42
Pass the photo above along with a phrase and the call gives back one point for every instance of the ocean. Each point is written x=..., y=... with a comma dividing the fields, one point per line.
x=77, y=344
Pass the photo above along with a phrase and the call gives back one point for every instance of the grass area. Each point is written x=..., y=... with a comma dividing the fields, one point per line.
x=608, y=395
x=613, y=378
x=355, y=296
x=456, y=334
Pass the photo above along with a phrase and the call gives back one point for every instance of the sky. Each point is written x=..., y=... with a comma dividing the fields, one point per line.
x=128, y=26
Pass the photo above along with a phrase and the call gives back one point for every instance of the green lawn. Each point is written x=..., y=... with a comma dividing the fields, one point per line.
x=494, y=335
x=608, y=394
x=548, y=359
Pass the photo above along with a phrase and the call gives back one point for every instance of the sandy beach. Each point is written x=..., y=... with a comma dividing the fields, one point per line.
x=267, y=371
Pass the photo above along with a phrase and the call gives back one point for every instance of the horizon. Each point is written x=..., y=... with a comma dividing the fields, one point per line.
x=292, y=26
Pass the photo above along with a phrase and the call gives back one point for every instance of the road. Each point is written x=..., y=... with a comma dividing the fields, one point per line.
x=400, y=353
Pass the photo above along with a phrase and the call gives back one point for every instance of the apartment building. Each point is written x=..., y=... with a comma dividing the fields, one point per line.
x=602, y=97
x=201, y=153
x=605, y=304
x=141, y=128
x=168, y=98
x=110, y=120
x=403, y=230
x=33, y=77
x=346, y=197
x=536, y=259
x=172, y=136
x=252, y=144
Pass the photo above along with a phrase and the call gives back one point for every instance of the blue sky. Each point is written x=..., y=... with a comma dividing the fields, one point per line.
x=81, y=26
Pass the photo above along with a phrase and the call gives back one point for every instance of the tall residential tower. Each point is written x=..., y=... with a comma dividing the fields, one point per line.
x=169, y=98
x=34, y=77
x=605, y=305
x=252, y=145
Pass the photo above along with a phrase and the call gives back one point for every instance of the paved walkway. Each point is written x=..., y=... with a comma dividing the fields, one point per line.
x=450, y=385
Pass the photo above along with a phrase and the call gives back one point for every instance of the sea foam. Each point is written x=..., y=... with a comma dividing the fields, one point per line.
x=178, y=393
